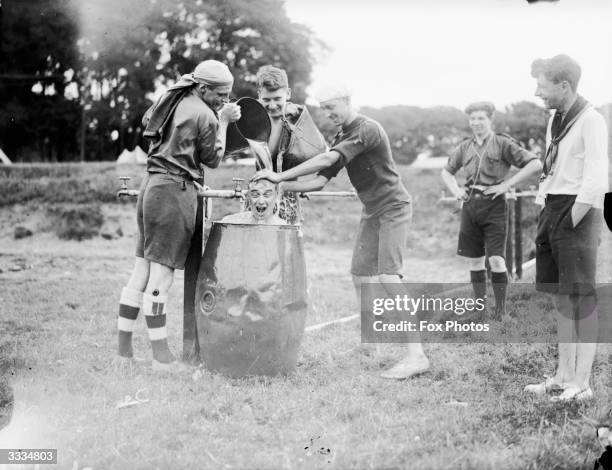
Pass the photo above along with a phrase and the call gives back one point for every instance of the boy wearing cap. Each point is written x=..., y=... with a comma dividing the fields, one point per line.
x=486, y=158
x=187, y=129
x=362, y=146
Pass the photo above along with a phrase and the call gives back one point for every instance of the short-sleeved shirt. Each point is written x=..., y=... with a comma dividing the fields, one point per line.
x=365, y=151
x=187, y=141
x=498, y=151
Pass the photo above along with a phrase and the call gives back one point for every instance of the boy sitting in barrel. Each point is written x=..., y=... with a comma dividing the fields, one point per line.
x=262, y=199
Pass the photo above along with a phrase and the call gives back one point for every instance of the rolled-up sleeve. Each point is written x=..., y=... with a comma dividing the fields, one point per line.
x=516, y=155
x=208, y=149
x=455, y=161
x=332, y=171
x=595, y=171
x=366, y=139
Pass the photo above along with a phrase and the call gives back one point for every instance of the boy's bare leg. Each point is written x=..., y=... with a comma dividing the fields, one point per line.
x=415, y=361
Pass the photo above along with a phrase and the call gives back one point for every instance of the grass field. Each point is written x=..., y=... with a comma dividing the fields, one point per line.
x=57, y=339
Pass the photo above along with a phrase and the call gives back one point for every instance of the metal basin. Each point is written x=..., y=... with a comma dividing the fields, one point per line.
x=251, y=299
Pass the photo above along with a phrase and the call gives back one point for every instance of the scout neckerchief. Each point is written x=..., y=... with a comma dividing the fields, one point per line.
x=480, y=156
x=558, y=130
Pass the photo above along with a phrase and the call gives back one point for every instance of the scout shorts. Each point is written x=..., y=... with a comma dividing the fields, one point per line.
x=483, y=227
x=566, y=256
x=166, y=216
x=381, y=242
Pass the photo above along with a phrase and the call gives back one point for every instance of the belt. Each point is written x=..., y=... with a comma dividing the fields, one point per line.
x=481, y=195
x=558, y=197
x=478, y=187
x=184, y=177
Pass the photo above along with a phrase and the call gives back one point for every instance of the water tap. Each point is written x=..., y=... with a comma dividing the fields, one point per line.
x=124, y=190
x=237, y=188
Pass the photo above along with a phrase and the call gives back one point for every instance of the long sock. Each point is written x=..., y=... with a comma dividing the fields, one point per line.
x=500, y=286
x=479, y=283
x=153, y=308
x=129, y=306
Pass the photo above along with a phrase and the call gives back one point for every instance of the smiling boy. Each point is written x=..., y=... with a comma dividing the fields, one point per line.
x=486, y=158
x=294, y=137
x=572, y=189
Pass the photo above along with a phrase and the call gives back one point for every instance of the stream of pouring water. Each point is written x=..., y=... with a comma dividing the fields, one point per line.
x=262, y=153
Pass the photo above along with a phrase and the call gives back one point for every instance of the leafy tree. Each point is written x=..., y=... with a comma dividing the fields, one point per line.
x=525, y=121
x=437, y=130
x=143, y=43
x=104, y=72
x=37, y=46
x=412, y=129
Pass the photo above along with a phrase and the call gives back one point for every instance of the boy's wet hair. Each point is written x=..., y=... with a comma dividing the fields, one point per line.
x=557, y=69
x=271, y=78
x=253, y=183
x=485, y=106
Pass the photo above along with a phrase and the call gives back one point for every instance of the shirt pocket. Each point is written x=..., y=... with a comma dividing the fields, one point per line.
x=495, y=166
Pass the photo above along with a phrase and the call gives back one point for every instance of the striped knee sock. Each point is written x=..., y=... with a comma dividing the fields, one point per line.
x=129, y=305
x=153, y=308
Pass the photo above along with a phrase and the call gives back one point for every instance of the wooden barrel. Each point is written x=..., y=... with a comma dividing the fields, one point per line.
x=251, y=299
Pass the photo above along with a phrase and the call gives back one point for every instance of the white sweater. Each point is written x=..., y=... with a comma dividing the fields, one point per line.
x=582, y=162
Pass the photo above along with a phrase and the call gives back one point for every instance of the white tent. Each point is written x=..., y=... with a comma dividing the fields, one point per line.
x=140, y=155
x=137, y=156
x=125, y=157
x=425, y=160
x=4, y=159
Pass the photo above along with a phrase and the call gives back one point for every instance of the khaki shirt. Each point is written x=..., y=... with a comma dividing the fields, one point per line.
x=498, y=151
x=188, y=141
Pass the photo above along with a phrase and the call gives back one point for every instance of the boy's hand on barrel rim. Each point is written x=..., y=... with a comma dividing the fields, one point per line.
x=200, y=188
x=267, y=175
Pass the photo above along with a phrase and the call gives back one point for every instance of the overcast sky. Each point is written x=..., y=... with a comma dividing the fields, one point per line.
x=452, y=52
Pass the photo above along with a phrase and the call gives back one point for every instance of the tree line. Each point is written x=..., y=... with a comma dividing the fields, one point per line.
x=76, y=76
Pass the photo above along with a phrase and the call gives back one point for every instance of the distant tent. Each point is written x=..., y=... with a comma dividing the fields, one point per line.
x=140, y=154
x=125, y=157
x=425, y=160
x=4, y=159
x=136, y=156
